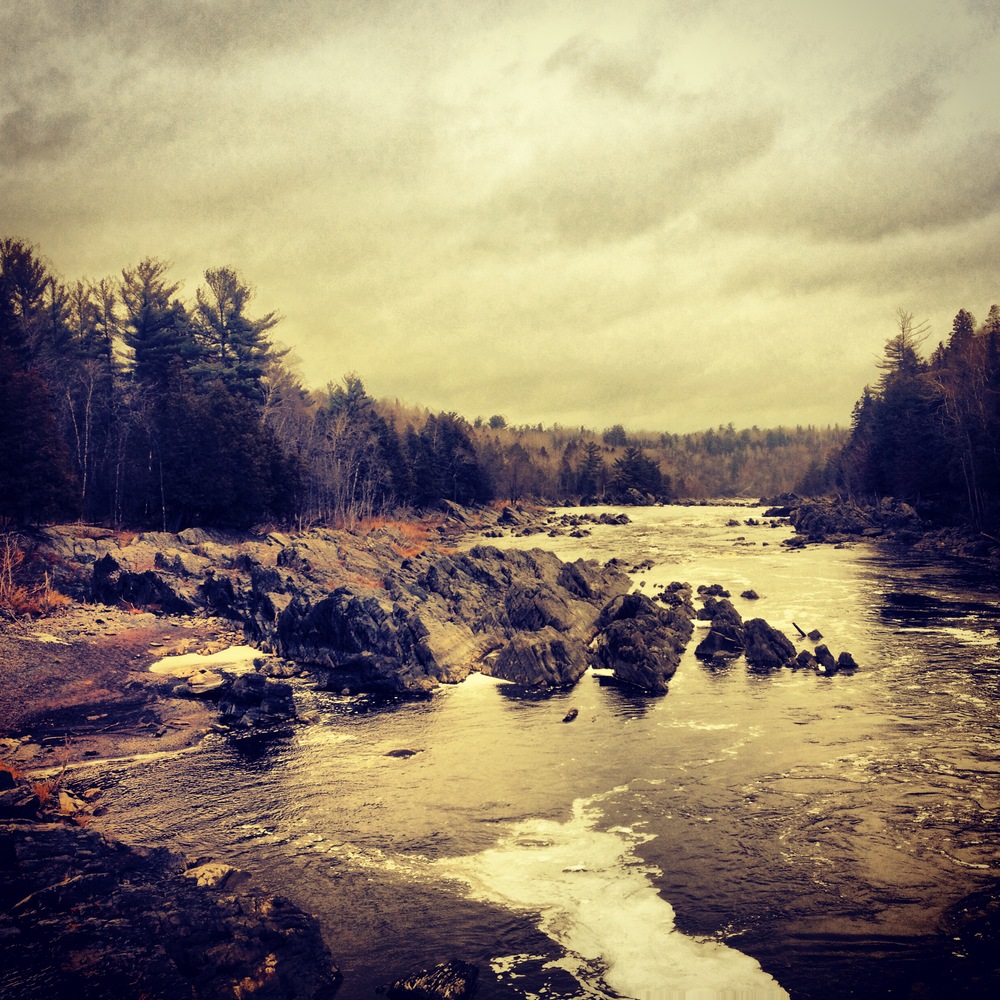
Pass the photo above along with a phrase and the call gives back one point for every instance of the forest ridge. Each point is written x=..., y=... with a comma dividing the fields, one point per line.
x=122, y=404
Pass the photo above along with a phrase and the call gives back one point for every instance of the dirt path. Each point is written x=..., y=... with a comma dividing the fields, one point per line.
x=77, y=685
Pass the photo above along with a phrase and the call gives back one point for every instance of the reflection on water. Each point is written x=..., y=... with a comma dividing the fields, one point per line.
x=826, y=826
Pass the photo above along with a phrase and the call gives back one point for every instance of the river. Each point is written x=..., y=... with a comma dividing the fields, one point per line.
x=747, y=835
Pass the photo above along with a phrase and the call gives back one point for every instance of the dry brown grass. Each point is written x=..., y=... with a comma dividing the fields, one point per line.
x=12, y=769
x=48, y=788
x=412, y=536
x=19, y=596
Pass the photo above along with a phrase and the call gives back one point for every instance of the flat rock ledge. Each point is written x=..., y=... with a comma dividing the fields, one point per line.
x=83, y=916
x=360, y=612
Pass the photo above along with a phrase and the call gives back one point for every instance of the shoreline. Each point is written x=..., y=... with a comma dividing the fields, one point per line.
x=76, y=684
x=128, y=643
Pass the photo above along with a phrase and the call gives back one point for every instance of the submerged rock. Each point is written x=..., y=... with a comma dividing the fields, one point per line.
x=454, y=980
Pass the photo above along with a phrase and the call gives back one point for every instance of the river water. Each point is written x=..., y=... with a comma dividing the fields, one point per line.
x=745, y=836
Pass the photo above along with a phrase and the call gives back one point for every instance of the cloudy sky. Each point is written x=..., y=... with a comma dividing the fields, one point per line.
x=666, y=213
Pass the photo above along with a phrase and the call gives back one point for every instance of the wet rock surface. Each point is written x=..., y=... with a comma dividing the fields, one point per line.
x=641, y=642
x=840, y=521
x=764, y=647
x=82, y=916
x=361, y=612
x=454, y=980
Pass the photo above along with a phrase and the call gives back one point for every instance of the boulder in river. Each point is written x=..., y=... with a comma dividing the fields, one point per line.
x=254, y=700
x=805, y=661
x=825, y=659
x=726, y=636
x=541, y=659
x=767, y=648
x=454, y=980
x=642, y=643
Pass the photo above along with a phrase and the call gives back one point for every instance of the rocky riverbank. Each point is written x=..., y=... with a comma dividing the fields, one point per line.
x=395, y=610
x=82, y=916
x=840, y=521
x=143, y=662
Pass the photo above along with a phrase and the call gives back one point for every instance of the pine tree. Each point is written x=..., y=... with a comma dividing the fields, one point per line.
x=234, y=348
x=157, y=327
x=36, y=481
x=24, y=279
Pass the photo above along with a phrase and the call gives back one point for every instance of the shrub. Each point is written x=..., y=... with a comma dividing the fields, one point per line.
x=20, y=597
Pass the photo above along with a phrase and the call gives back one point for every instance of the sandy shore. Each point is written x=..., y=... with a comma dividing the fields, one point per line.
x=77, y=686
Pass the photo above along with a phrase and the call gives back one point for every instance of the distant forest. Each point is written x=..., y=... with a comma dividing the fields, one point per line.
x=122, y=404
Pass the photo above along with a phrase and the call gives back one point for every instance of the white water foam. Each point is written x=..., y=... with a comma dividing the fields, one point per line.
x=595, y=899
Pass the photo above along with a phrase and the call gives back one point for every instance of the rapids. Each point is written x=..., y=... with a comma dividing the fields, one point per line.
x=747, y=835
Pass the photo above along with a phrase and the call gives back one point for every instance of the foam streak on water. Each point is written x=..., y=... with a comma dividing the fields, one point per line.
x=594, y=898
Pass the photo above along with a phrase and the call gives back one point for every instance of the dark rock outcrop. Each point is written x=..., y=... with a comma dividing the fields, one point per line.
x=373, y=612
x=83, y=916
x=454, y=980
x=726, y=637
x=825, y=520
x=541, y=659
x=767, y=648
x=254, y=700
x=369, y=612
x=521, y=616
x=165, y=590
x=643, y=643
x=352, y=636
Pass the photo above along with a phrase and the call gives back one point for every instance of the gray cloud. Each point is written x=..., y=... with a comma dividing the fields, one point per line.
x=28, y=135
x=864, y=196
x=906, y=108
x=664, y=215
x=182, y=30
x=605, y=70
x=616, y=186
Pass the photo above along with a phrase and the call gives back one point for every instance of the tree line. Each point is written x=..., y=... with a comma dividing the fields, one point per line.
x=121, y=403
x=928, y=431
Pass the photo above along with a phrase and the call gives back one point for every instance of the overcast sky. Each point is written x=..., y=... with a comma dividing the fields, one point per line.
x=665, y=213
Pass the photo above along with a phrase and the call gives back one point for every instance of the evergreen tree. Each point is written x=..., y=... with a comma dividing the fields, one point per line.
x=234, y=348
x=157, y=327
x=635, y=473
x=24, y=279
x=36, y=480
x=445, y=463
x=591, y=474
